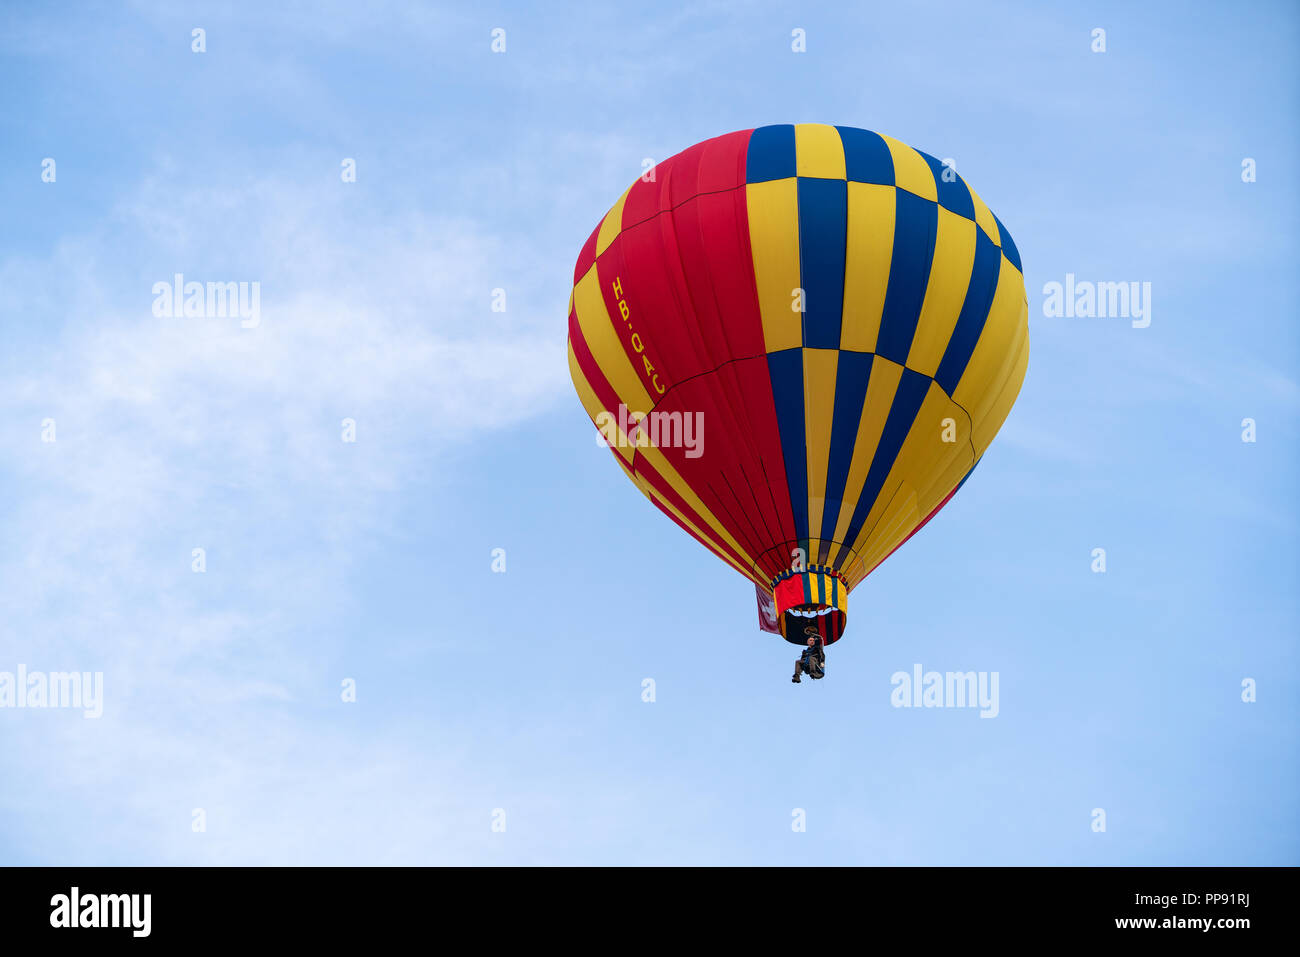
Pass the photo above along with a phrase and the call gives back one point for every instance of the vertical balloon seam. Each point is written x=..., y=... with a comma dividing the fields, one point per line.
x=741, y=422
x=709, y=381
x=669, y=172
x=674, y=482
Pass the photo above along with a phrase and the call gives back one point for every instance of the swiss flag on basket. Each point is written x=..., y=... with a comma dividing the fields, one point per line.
x=766, y=611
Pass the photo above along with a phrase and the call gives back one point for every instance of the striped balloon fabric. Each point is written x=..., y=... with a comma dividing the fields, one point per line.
x=798, y=341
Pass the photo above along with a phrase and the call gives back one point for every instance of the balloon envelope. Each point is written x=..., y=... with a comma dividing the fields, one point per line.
x=798, y=341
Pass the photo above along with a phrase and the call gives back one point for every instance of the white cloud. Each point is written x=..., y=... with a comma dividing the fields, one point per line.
x=177, y=433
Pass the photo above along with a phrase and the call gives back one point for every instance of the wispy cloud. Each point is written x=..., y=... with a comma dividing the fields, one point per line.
x=176, y=433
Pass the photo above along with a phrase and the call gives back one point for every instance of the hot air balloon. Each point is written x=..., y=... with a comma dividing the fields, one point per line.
x=840, y=321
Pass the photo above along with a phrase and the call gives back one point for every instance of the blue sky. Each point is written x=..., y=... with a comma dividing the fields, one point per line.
x=372, y=560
